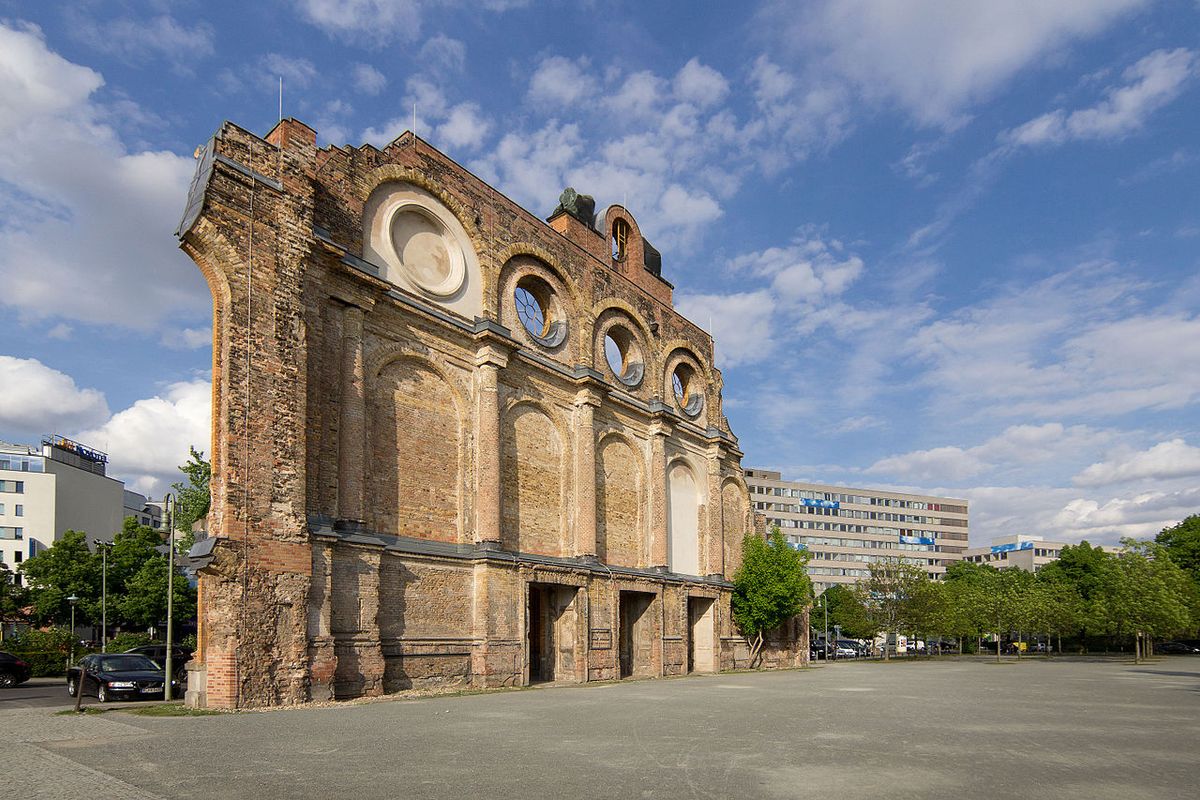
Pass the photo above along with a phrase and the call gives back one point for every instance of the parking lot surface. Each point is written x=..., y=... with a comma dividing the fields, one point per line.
x=950, y=728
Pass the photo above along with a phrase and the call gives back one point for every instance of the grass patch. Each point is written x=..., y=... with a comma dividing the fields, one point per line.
x=172, y=710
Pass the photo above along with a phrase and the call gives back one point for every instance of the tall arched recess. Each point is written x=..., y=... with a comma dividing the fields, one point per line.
x=414, y=451
x=531, y=482
x=683, y=522
x=619, y=538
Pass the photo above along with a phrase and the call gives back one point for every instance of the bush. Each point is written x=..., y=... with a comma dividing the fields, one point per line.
x=46, y=651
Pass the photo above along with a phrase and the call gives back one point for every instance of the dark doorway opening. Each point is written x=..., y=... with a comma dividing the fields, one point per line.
x=551, y=633
x=636, y=635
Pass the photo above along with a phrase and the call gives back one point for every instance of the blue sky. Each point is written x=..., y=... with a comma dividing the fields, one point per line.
x=947, y=246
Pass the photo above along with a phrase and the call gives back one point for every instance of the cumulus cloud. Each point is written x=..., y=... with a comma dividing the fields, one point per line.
x=740, y=323
x=368, y=80
x=558, y=81
x=147, y=441
x=1150, y=84
x=104, y=213
x=1164, y=461
x=36, y=399
x=934, y=59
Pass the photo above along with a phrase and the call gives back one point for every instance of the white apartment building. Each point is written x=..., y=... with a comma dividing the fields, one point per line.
x=846, y=529
x=1024, y=551
x=46, y=492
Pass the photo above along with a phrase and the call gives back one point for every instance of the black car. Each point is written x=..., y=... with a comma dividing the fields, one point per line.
x=110, y=676
x=13, y=671
x=1175, y=649
x=158, y=654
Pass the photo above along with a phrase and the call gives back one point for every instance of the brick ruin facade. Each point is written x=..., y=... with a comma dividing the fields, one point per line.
x=453, y=445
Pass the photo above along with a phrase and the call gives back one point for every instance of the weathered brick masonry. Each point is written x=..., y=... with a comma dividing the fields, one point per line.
x=427, y=469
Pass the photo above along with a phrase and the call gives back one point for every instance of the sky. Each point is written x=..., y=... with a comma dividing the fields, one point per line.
x=944, y=246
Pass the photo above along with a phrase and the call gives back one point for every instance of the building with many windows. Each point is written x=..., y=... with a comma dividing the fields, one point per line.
x=1024, y=551
x=45, y=492
x=847, y=529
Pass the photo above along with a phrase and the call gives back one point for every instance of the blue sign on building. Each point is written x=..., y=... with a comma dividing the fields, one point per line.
x=1008, y=548
x=820, y=503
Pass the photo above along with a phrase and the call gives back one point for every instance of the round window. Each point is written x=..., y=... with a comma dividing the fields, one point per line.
x=689, y=394
x=621, y=352
x=537, y=311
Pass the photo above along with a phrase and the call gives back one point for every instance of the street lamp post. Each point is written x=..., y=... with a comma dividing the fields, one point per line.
x=103, y=595
x=73, y=599
x=169, y=503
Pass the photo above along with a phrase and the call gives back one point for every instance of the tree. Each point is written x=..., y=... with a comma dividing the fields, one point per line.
x=13, y=598
x=889, y=595
x=1182, y=544
x=769, y=588
x=65, y=568
x=192, y=500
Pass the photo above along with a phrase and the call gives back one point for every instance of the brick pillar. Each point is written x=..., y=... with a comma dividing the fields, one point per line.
x=658, y=494
x=352, y=423
x=714, y=545
x=584, y=545
x=489, y=360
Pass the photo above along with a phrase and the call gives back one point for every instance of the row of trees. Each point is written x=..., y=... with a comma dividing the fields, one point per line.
x=1149, y=590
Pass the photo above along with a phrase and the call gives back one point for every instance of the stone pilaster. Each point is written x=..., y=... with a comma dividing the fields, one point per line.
x=586, y=402
x=352, y=422
x=489, y=360
x=659, y=520
x=714, y=540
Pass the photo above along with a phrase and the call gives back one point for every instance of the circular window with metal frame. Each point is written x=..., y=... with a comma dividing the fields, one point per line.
x=623, y=355
x=688, y=390
x=537, y=311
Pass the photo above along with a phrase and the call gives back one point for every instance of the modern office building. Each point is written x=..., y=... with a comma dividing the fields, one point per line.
x=847, y=529
x=45, y=492
x=1024, y=551
x=146, y=511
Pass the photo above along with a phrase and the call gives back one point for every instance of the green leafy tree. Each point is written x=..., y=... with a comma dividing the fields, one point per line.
x=1182, y=544
x=144, y=601
x=65, y=568
x=890, y=596
x=769, y=588
x=194, y=497
x=13, y=598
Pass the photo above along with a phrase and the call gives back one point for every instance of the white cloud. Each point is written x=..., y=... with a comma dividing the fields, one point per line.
x=296, y=72
x=443, y=54
x=935, y=59
x=700, y=85
x=105, y=214
x=368, y=80
x=1164, y=461
x=1150, y=84
x=464, y=128
x=135, y=41
x=35, y=399
x=740, y=322
x=149, y=440
x=559, y=81
x=370, y=22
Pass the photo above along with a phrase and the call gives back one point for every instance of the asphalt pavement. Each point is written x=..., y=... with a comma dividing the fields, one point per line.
x=1061, y=728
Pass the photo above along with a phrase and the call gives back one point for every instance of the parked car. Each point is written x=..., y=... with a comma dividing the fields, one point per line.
x=112, y=676
x=158, y=654
x=13, y=671
x=1175, y=649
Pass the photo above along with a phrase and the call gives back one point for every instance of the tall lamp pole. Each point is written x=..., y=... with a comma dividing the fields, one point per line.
x=73, y=599
x=169, y=505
